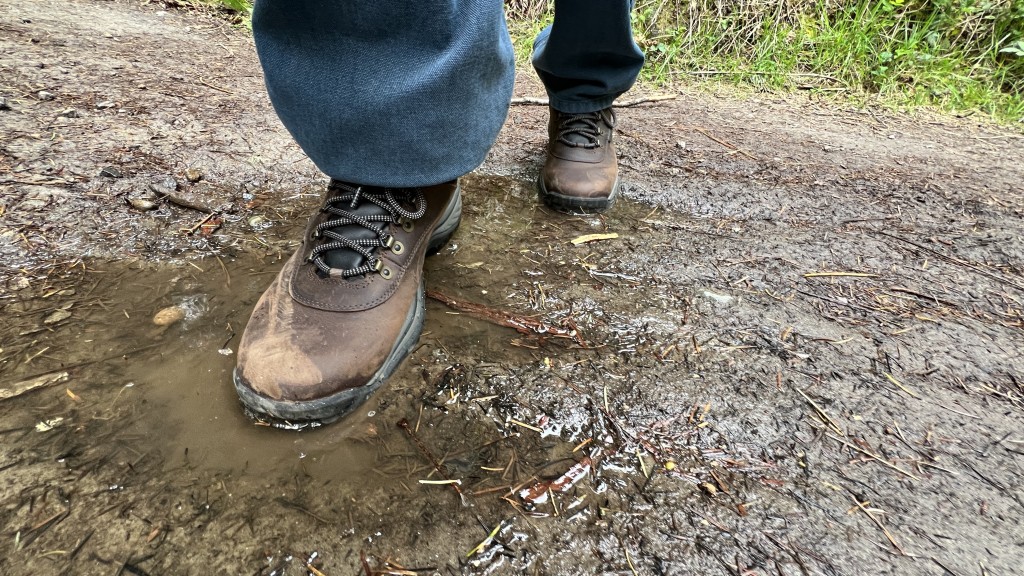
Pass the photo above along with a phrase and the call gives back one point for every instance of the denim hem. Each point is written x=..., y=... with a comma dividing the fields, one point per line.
x=399, y=178
x=581, y=107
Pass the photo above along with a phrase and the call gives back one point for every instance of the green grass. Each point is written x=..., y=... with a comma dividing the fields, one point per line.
x=961, y=56
x=957, y=55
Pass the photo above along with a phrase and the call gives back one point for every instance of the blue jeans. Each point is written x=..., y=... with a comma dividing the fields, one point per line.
x=404, y=94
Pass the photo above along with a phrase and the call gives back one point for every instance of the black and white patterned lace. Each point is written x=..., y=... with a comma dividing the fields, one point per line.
x=343, y=208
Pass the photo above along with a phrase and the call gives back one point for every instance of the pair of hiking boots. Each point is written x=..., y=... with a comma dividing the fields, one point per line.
x=348, y=306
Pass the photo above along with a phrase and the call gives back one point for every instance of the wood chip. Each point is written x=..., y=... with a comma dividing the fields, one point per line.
x=586, y=238
x=19, y=388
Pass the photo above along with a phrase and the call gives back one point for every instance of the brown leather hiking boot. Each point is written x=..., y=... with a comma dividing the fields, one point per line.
x=347, y=307
x=580, y=172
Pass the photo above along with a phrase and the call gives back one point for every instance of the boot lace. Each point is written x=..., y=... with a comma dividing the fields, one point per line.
x=342, y=208
x=586, y=126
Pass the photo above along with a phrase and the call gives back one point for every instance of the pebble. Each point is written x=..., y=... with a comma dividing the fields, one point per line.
x=4, y=105
x=45, y=96
x=143, y=204
x=56, y=316
x=169, y=315
x=164, y=186
x=104, y=105
x=19, y=283
x=111, y=172
x=718, y=298
x=193, y=174
x=70, y=113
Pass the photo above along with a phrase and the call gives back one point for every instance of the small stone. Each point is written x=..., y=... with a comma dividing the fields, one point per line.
x=723, y=299
x=4, y=105
x=111, y=172
x=193, y=174
x=104, y=105
x=169, y=315
x=56, y=316
x=258, y=222
x=680, y=144
x=19, y=283
x=45, y=96
x=142, y=204
x=69, y=113
x=47, y=425
x=164, y=186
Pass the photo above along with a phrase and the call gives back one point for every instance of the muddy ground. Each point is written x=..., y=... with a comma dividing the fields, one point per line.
x=801, y=355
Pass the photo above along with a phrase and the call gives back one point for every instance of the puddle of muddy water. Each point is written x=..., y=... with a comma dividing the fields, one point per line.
x=159, y=399
x=175, y=381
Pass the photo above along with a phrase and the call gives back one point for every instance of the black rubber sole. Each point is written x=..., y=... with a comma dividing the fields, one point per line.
x=576, y=204
x=298, y=415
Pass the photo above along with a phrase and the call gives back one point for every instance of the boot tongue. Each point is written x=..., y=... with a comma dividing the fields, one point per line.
x=344, y=258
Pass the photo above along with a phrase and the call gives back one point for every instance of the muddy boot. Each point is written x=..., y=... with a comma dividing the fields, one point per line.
x=580, y=172
x=347, y=307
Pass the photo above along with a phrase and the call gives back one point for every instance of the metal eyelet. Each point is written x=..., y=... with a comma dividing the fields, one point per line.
x=386, y=273
x=407, y=225
x=398, y=247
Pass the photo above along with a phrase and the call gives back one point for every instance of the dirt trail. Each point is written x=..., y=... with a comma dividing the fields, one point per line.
x=801, y=354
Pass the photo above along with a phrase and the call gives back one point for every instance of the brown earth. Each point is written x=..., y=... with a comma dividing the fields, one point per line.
x=801, y=354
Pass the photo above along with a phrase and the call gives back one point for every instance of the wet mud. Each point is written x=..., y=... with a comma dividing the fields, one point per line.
x=793, y=347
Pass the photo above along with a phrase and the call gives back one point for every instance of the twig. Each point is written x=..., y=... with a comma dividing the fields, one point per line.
x=521, y=324
x=844, y=274
x=300, y=508
x=441, y=470
x=873, y=456
x=646, y=100
x=821, y=412
x=724, y=143
x=952, y=259
x=530, y=101
x=51, y=373
x=882, y=527
x=217, y=88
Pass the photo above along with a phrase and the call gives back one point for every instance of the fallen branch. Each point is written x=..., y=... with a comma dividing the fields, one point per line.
x=521, y=324
x=529, y=101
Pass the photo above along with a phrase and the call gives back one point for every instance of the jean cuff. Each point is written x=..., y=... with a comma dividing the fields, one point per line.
x=581, y=107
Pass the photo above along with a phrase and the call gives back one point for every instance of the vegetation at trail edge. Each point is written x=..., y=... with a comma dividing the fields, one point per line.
x=957, y=55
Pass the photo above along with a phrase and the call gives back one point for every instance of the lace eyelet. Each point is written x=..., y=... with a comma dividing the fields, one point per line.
x=386, y=273
x=398, y=247
x=407, y=225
